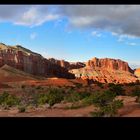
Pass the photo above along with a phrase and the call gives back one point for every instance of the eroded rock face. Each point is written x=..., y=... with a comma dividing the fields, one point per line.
x=106, y=71
x=30, y=62
x=67, y=65
x=113, y=64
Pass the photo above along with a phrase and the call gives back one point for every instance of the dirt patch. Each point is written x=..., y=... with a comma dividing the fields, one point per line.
x=81, y=112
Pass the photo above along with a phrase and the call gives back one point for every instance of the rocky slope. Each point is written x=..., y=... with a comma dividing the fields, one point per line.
x=106, y=71
x=30, y=62
x=9, y=74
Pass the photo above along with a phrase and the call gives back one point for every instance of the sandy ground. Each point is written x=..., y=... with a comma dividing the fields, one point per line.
x=81, y=112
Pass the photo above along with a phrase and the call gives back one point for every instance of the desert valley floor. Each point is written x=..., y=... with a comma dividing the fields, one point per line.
x=130, y=109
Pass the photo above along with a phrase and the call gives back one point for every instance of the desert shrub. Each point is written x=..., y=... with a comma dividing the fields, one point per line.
x=73, y=96
x=53, y=96
x=111, y=85
x=136, y=92
x=21, y=109
x=39, y=87
x=117, y=89
x=8, y=100
x=99, y=84
x=28, y=96
x=111, y=109
x=40, y=99
x=78, y=85
x=106, y=104
x=133, y=83
x=88, y=100
x=103, y=98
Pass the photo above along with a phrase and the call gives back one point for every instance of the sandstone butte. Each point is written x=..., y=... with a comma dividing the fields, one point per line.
x=106, y=70
x=103, y=70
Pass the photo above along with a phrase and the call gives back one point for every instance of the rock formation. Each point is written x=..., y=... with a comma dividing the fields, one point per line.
x=106, y=71
x=30, y=62
x=67, y=65
x=113, y=64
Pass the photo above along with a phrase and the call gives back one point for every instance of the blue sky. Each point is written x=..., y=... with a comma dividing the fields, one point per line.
x=70, y=34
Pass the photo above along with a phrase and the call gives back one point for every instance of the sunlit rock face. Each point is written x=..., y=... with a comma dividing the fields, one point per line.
x=113, y=64
x=106, y=71
x=30, y=62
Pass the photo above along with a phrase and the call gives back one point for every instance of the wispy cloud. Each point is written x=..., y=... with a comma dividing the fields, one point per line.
x=131, y=44
x=36, y=16
x=125, y=38
x=27, y=15
x=96, y=34
x=33, y=35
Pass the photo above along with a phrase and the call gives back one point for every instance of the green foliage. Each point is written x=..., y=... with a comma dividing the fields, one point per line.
x=136, y=92
x=41, y=99
x=78, y=85
x=52, y=97
x=110, y=110
x=88, y=100
x=8, y=100
x=21, y=109
x=39, y=87
x=103, y=98
x=111, y=84
x=117, y=89
x=100, y=84
x=106, y=104
x=73, y=96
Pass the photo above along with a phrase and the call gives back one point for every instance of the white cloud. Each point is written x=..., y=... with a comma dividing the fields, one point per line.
x=27, y=15
x=33, y=35
x=131, y=44
x=120, y=19
x=96, y=34
x=36, y=16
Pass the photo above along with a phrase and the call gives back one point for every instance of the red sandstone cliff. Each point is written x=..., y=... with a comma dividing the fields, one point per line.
x=106, y=71
x=30, y=62
x=67, y=65
x=108, y=63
